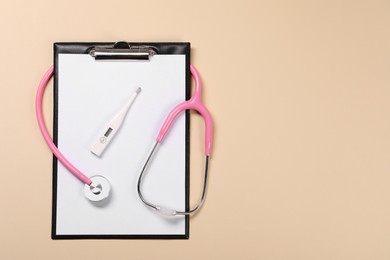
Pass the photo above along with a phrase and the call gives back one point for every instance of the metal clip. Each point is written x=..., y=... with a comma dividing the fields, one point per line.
x=122, y=51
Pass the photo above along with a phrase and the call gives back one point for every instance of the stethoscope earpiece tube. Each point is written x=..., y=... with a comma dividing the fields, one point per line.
x=194, y=103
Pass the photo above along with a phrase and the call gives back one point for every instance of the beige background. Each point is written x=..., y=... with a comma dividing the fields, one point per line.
x=299, y=91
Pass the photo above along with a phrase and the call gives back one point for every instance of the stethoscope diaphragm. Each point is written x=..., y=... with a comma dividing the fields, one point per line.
x=98, y=190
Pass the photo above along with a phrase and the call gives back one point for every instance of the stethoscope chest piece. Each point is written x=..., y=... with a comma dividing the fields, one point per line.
x=98, y=190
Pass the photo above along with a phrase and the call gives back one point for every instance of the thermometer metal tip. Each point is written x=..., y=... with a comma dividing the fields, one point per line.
x=112, y=127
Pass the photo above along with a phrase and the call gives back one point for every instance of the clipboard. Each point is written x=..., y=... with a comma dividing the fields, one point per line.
x=89, y=86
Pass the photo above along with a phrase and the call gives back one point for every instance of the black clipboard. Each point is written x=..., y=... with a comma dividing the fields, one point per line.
x=85, y=48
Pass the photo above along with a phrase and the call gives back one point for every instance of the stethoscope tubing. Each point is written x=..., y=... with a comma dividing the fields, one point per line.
x=194, y=103
x=42, y=126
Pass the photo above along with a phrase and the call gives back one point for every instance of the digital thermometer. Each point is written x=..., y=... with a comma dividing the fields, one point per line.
x=110, y=129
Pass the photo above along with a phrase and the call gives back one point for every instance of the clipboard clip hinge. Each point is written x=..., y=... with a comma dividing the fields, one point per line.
x=122, y=51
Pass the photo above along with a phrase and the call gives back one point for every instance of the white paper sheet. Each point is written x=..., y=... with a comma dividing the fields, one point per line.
x=90, y=93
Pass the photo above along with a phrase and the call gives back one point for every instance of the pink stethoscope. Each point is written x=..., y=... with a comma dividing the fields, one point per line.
x=97, y=187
